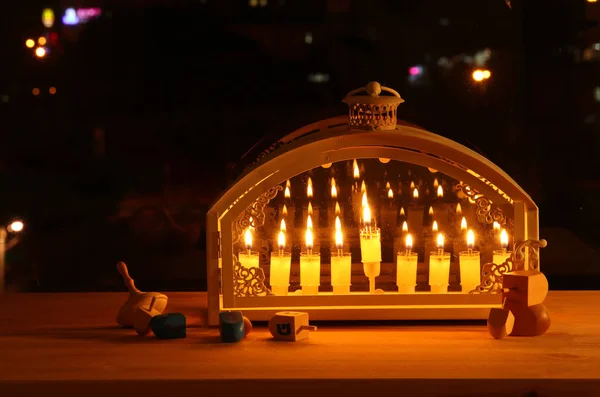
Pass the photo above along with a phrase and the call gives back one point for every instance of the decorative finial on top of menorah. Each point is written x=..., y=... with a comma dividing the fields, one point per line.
x=372, y=111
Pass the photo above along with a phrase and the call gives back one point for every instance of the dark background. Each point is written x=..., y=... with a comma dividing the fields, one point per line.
x=158, y=104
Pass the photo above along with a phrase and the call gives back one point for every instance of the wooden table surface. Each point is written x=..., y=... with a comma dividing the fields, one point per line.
x=70, y=344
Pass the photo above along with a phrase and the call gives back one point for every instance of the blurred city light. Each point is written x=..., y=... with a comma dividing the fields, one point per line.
x=15, y=227
x=70, y=17
x=480, y=75
x=52, y=90
x=40, y=52
x=29, y=43
x=42, y=41
x=35, y=91
x=48, y=17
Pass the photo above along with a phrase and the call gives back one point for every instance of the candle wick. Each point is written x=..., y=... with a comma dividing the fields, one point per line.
x=339, y=252
x=408, y=252
x=249, y=251
x=469, y=251
x=440, y=251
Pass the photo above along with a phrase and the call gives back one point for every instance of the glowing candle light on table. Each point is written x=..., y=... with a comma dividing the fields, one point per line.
x=406, y=268
x=341, y=263
x=499, y=256
x=248, y=258
x=470, y=265
x=370, y=247
x=280, y=265
x=439, y=268
x=310, y=265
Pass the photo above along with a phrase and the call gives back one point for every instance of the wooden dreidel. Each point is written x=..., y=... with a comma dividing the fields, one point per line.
x=524, y=292
x=137, y=299
x=169, y=326
x=500, y=323
x=290, y=326
x=143, y=316
x=231, y=326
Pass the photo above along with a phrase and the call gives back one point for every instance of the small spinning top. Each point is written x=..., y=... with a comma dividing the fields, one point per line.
x=137, y=299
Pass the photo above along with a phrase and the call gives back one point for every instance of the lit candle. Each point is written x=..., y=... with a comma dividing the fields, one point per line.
x=402, y=213
x=390, y=194
x=458, y=209
x=434, y=227
x=439, y=268
x=415, y=193
x=470, y=265
x=341, y=264
x=356, y=170
x=287, y=194
x=334, y=193
x=249, y=258
x=309, y=188
x=440, y=191
x=363, y=187
x=405, y=227
x=501, y=255
x=412, y=184
x=406, y=268
x=430, y=211
x=436, y=183
x=310, y=266
x=463, y=224
x=280, y=265
x=370, y=247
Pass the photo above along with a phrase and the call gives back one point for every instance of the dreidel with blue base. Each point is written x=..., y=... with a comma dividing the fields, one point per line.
x=290, y=326
x=231, y=326
x=169, y=326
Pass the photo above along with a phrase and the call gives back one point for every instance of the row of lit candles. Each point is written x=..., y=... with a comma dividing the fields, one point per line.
x=363, y=188
x=370, y=243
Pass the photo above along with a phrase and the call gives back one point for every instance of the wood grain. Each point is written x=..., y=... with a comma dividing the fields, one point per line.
x=46, y=339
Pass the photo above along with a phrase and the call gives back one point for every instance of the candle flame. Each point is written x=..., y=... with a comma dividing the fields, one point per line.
x=416, y=193
x=440, y=241
x=463, y=224
x=434, y=227
x=248, y=238
x=409, y=242
x=333, y=189
x=402, y=213
x=338, y=223
x=287, y=194
x=431, y=211
x=284, y=211
x=496, y=226
x=435, y=183
x=470, y=238
x=364, y=202
x=309, y=238
x=363, y=187
x=387, y=185
x=390, y=193
x=288, y=183
x=309, y=224
x=440, y=191
x=458, y=209
x=310, y=210
x=338, y=211
x=356, y=171
x=412, y=184
x=281, y=240
x=282, y=226
x=405, y=227
x=339, y=239
x=503, y=238
x=309, y=188
x=367, y=215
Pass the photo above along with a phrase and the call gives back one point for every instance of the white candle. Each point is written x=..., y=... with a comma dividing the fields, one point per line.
x=439, y=268
x=249, y=258
x=370, y=247
x=341, y=264
x=470, y=265
x=406, y=268
x=310, y=267
x=501, y=255
x=280, y=265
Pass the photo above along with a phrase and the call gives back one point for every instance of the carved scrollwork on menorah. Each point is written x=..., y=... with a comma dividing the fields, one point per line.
x=485, y=212
x=492, y=273
x=254, y=215
x=251, y=281
x=248, y=282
